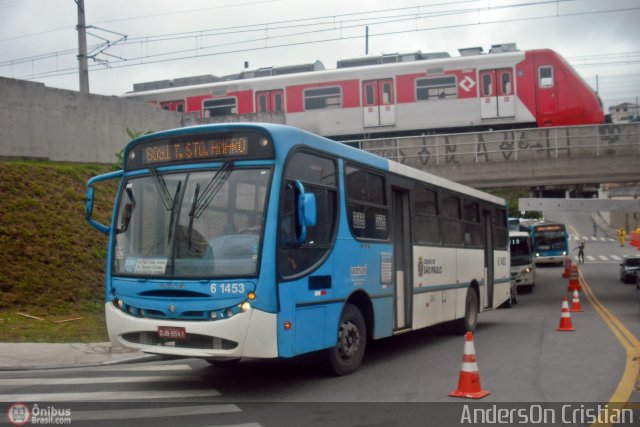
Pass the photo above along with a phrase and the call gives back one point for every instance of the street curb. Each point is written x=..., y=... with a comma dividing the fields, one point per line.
x=130, y=360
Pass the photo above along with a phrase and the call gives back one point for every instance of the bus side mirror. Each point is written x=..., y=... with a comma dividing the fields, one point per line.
x=88, y=206
x=306, y=211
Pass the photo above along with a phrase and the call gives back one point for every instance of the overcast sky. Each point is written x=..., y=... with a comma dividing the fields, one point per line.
x=166, y=39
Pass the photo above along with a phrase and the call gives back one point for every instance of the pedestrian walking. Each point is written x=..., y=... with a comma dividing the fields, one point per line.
x=595, y=229
x=580, y=250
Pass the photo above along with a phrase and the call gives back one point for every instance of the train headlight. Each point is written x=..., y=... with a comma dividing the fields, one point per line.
x=245, y=306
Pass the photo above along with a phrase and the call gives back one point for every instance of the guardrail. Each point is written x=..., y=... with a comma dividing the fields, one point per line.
x=506, y=146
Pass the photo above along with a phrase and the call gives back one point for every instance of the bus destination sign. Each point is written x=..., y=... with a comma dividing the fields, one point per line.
x=540, y=228
x=227, y=146
x=194, y=150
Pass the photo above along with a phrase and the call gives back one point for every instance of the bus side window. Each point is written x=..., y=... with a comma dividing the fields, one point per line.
x=318, y=175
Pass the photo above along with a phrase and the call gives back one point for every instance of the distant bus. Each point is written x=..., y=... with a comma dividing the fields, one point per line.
x=550, y=241
x=522, y=266
x=251, y=240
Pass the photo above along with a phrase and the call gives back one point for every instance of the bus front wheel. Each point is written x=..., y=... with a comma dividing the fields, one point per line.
x=346, y=356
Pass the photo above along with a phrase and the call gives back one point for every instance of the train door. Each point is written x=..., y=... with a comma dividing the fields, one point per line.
x=546, y=95
x=497, y=93
x=270, y=101
x=402, y=258
x=488, y=256
x=378, y=104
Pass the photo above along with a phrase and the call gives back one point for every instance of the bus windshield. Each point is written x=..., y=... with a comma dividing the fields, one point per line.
x=550, y=240
x=191, y=224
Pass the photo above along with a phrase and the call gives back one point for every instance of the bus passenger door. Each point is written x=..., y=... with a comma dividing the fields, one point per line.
x=402, y=259
x=488, y=257
x=378, y=104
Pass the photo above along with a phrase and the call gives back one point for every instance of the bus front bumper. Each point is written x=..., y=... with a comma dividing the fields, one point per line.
x=250, y=334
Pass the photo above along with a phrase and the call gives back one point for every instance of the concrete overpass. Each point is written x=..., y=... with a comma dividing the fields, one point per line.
x=524, y=157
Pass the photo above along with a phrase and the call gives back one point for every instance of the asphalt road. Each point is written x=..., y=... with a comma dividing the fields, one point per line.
x=405, y=380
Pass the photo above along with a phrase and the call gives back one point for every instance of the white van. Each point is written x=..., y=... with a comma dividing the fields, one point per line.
x=523, y=271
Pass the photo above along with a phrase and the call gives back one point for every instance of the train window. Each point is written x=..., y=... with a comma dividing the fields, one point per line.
x=436, y=88
x=262, y=103
x=180, y=108
x=323, y=97
x=505, y=82
x=219, y=107
x=487, y=85
x=545, y=74
x=386, y=94
x=277, y=101
x=369, y=93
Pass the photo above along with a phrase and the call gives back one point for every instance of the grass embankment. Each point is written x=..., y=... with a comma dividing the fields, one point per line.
x=52, y=262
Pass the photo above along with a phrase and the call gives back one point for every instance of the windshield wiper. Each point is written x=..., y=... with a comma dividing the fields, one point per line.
x=192, y=214
x=173, y=210
x=211, y=190
x=200, y=203
x=161, y=185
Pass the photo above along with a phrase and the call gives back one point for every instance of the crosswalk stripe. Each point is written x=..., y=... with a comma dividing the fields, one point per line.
x=107, y=395
x=590, y=258
x=96, y=380
x=156, y=412
x=616, y=257
x=602, y=257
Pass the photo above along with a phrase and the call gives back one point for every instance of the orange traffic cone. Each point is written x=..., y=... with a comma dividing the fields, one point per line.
x=565, y=317
x=469, y=381
x=574, y=280
x=575, y=303
x=567, y=268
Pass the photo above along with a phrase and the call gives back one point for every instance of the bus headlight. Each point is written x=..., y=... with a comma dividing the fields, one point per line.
x=564, y=253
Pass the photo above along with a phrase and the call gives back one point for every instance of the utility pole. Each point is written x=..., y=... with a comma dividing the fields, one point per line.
x=83, y=68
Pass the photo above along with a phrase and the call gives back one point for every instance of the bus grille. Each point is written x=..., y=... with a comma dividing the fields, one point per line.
x=202, y=342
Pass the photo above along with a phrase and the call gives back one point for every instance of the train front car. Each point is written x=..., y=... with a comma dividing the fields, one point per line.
x=555, y=93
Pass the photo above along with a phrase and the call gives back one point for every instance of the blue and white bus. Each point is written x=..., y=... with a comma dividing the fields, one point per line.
x=550, y=241
x=252, y=240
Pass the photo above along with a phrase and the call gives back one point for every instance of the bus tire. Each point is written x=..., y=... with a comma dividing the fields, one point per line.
x=470, y=320
x=346, y=356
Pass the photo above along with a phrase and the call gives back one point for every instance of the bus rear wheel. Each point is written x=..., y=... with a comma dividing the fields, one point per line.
x=346, y=356
x=470, y=320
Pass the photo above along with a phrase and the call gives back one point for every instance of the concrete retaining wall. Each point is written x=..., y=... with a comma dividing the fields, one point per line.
x=63, y=125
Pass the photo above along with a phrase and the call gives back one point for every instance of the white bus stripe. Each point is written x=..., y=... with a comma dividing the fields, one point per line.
x=156, y=412
x=96, y=380
x=107, y=395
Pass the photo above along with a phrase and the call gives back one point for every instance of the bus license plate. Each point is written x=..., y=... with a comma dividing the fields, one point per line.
x=172, y=333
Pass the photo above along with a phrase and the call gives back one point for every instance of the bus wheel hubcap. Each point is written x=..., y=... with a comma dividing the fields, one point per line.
x=349, y=339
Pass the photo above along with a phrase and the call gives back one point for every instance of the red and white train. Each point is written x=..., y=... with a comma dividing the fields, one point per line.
x=397, y=95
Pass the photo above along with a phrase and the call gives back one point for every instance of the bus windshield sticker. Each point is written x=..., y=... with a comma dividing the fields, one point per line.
x=153, y=266
x=359, y=220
